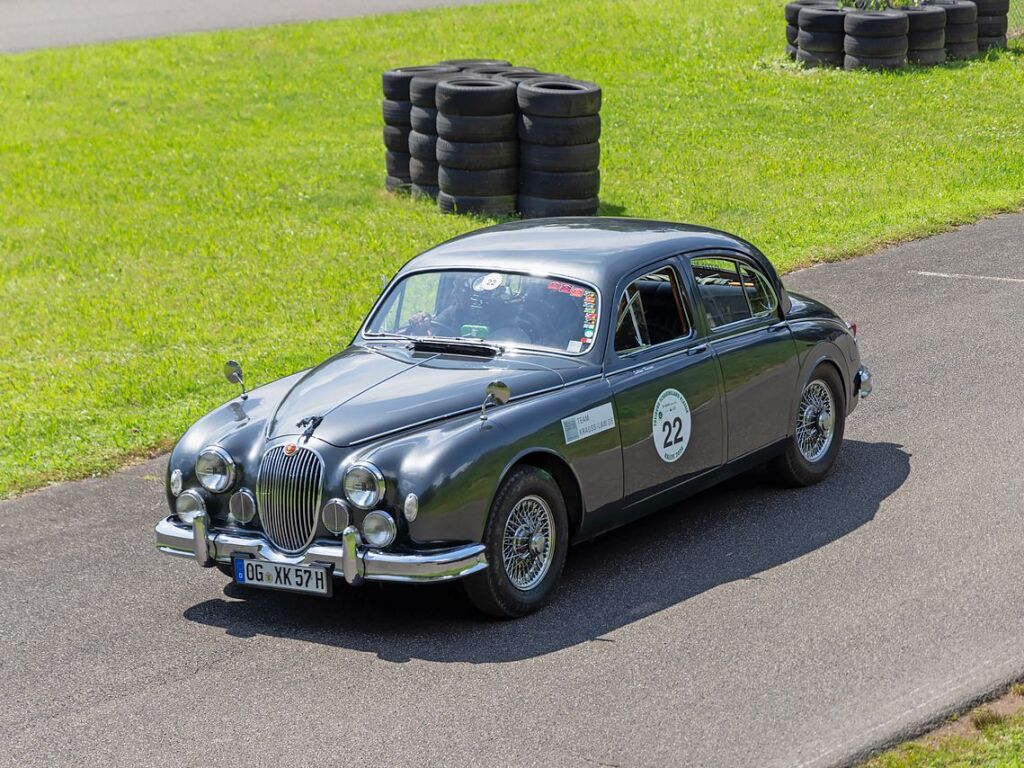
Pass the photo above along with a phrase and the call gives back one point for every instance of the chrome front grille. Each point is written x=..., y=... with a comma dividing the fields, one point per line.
x=288, y=492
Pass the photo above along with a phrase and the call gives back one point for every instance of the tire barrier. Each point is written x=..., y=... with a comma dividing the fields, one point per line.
x=875, y=39
x=961, y=31
x=483, y=136
x=992, y=23
x=819, y=39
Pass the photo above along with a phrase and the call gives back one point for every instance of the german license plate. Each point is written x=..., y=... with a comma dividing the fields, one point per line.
x=309, y=579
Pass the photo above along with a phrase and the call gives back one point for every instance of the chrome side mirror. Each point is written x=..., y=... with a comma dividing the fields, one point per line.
x=233, y=373
x=497, y=393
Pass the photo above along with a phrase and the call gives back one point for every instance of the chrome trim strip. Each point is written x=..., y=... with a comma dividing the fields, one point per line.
x=351, y=560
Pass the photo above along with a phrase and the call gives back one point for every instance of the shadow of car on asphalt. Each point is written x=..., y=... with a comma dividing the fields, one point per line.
x=732, y=532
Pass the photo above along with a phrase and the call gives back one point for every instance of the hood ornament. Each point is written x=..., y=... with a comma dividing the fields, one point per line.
x=308, y=425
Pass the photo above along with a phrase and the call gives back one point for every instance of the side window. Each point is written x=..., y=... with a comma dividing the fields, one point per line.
x=721, y=291
x=650, y=312
x=760, y=295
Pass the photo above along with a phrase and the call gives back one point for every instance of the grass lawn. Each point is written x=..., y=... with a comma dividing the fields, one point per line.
x=167, y=204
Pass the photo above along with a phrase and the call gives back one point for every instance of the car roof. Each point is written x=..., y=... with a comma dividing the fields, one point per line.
x=594, y=250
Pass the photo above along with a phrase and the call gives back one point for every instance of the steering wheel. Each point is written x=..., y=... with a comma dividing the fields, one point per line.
x=436, y=329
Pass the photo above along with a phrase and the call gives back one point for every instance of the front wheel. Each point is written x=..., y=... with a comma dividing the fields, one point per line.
x=812, y=450
x=526, y=540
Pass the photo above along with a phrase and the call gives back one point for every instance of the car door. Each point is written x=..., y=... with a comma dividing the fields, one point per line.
x=753, y=346
x=666, y=384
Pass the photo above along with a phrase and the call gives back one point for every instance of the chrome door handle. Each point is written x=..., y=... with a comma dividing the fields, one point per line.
x=698, y=349
x=778, y=327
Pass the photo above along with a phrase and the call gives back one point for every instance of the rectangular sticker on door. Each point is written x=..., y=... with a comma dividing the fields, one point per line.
x=588, y=423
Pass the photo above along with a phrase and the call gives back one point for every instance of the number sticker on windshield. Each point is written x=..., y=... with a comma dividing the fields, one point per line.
x=671, y=427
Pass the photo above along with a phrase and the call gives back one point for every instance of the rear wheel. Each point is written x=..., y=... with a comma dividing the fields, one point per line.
x=811, y=452
x=527, y=537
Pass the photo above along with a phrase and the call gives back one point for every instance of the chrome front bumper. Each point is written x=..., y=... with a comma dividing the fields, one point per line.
x=863, y=382
x=350, y=558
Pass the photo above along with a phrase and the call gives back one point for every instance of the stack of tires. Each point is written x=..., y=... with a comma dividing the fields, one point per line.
x=398, y=121
x=559, y=150
x=926, y=38
x=992, y=23
x=961, y=30
x=423, y=138
x=876, y=39
x=793, y=22
x=477, y=149
x=819, y=39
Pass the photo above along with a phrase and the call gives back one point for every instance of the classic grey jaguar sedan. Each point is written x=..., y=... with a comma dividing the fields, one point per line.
x=515, y=390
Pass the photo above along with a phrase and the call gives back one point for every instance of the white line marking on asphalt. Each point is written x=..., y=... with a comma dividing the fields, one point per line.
x=955, y=276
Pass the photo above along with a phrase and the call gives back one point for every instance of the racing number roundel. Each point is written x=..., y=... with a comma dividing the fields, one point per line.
x=671, y=427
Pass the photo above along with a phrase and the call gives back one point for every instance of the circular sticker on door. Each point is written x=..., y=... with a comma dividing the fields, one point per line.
x=671, y=427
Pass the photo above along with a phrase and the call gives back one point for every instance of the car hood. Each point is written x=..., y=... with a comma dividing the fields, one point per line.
x=366, y=392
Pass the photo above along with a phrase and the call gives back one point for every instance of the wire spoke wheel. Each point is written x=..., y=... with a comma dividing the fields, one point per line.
x=815, y=421
x=528, y=542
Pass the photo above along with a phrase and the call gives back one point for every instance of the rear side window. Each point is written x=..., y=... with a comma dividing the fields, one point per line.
x=731, y=291
x=650, y=312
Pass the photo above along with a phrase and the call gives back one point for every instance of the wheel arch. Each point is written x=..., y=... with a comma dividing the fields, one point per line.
x=555, y=465
x=824, y=358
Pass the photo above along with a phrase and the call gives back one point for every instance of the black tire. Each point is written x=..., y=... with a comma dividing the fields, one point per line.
x=927, y=58
x=422, y=88
x=519, y=77
x=791, y=51
x=396, y=138
x=992, y=7
x=464, y=63
x=576, y=157
x=957, y=11
x=423, y=146
x=395, y=184
x=424, y=191
x=819, y=42
x=477, y=127
x=791, y=467
x=489, y=183
x=397, y=164
x=475, y=96
x=491, y=590
x=791, y=33
x=396, y=81
x=992, y=26
x=559, y=131
x=927, y=40
x=560, y=186
x=958, y=51
x=423, y=172
x=423, y=119
x=988, y=43
x=495, y=70
x=396, y=112
x=546, y=207
x=792, y=11
x=817, y=18
x=481, y=205
x=888, y=23
x=870, y=62
x=558, y=98
x=875, y=47
x=811, y=59
x=925, y=17
x=477, y=156
x=961, y=34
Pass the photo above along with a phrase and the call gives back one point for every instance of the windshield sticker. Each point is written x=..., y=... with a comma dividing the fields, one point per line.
x=488, y=282
x=574, y=346
x=588, y=423
x=671, y=425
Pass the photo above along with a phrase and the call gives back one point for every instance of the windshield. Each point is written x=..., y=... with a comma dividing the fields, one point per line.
x=503, y=308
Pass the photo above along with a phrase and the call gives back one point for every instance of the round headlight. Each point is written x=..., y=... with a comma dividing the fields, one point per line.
x=379, y=529
x=364, y=485
x=189, y=504
x=335, y=516
x=215, y=469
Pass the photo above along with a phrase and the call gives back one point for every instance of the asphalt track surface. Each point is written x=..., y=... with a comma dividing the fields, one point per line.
x=750, y=626
x=28, y=24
